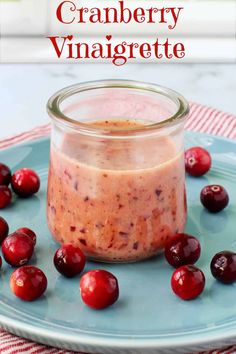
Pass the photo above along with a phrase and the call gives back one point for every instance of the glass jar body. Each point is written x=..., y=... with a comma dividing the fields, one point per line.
x=118, y=196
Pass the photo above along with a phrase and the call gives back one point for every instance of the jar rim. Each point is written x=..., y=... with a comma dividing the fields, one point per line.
x=54, y=111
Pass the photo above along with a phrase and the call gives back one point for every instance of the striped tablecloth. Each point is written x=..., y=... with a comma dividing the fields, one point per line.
x=203, y=119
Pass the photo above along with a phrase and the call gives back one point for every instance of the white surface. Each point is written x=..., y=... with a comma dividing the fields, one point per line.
x=24, y=89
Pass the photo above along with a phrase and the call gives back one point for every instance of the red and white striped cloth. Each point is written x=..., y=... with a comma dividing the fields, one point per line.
x=203, y=119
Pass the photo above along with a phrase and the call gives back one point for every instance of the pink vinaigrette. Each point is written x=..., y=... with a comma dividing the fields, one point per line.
x=113, y=181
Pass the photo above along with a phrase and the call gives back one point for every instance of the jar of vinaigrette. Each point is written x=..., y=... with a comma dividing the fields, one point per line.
x=116, y=185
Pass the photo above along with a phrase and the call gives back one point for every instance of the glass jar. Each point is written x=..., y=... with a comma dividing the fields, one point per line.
x=116, y=185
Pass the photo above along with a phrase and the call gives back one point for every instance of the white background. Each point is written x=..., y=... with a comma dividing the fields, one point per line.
x=25, y=89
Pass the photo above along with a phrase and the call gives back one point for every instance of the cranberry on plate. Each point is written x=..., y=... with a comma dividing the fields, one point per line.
x=188, y=282
x=214, y=198
x=69, y=260
x=28, y=283
x=197, y=161
x=17, y=249
x=4, y=229
x=25, y=182
x=28, y=232
x=223, y=267
x=5, y=196
x=5, y=174
x=182, y=249
x=99, y=289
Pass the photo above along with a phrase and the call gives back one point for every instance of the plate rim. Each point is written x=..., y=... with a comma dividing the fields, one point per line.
x=104, y=342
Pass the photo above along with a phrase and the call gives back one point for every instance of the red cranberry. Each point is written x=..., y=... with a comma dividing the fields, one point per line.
x=5, y=175
x=28, y=283
x=188, y=282
x=25, y=182
x=0, y=262
x=4, y=229
x=99, y=289
x=17, y=249
x=69, y=260
x=5, y=196
x=214, y=198
x=28, y=232
x=182, y=249
x=197, y=161
x=223, y=267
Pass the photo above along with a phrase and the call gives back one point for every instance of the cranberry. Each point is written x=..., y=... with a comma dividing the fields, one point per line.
x=188, y=282
x=4, y=229
x=197, y=161
x=25, y=182
x=28, y=232
x=5, y=196
x=182, y=249
x=69, y=260
x=5, y=175
x=99, y=289
x=223, y=267
x=17, y=249
x=28, y=283
x=214, y=198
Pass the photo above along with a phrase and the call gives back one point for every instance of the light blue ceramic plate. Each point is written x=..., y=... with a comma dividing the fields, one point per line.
x=147, y=317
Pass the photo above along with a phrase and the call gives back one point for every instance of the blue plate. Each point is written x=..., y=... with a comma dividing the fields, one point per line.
x=147, y=317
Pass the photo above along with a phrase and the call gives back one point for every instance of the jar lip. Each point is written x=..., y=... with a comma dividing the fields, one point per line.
x=54, y=111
